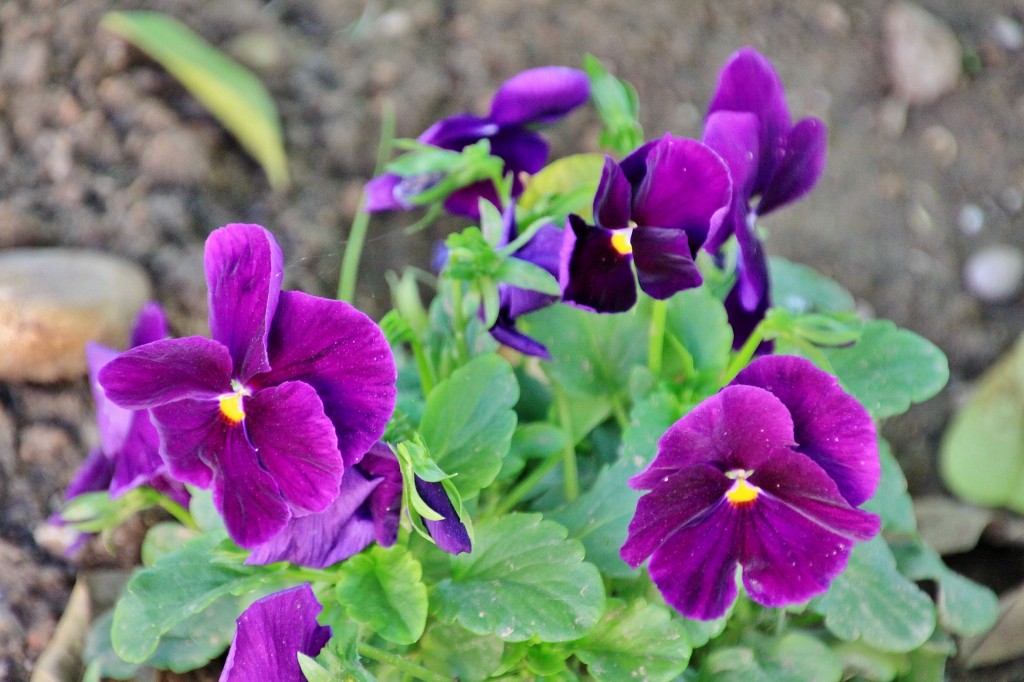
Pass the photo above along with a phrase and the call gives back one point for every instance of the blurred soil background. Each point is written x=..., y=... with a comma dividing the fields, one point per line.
x=920, y=213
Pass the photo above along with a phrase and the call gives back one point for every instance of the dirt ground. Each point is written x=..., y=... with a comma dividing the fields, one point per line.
x=102, y=149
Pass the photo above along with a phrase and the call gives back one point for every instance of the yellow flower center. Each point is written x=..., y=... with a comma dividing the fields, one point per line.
x=231, y=403
x=741, y=493
x=620, y=242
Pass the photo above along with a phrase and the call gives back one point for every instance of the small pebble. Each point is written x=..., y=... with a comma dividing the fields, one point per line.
x=1011, y=200
x=54, y=301
x=971, y=219
x=941, y=143
x=924, y=55
x=175, y=157
x=1008, y=33
x=995, y=273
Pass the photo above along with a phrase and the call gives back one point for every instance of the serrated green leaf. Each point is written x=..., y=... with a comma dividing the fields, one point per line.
x=891, y=500
x=383, y=588
x=176, y=588
x=460, y=653
x=889, y=368
x=801, y=289
x=874, y=602
x=635, y=641
x=982, y=453
x=468, y=422
x=524, y=578
x=231, y=92
x=600, y=518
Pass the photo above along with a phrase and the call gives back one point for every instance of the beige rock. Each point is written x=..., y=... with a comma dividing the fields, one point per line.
x=924, y=56
x=53, y=301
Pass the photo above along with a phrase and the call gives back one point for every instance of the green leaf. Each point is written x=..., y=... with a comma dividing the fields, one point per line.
x=382, y=588
x=600, y=518
x=650, y=418
x=566, y=185
x=99, y=651
x=697, y=321
x=231, y=92
x=177, y=587
x=801, y=289
x=635, y=641
x=460, y=653
x=163, y=539
x=872, y=601
x=339, y=660
x=537, y=440
x=526, y=275
x=523, y=579
x=794, y=657
x=889, y=368
x=891, y=500
x=982, y=453
x=866, y=663
x=617, y=105
x=468, y=422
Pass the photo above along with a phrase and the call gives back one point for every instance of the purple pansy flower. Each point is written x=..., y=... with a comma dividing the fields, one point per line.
x=749, y=125
x=767, y=474
x=270, y=635
x=653, y=210
x=291, y=390
x=534, y=97
x=448, y=533
x=129, y=451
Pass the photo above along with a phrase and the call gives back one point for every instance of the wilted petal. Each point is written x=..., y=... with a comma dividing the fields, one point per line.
x=686, y=187
x=381, y=194
x=830, y=426
x=165, y=371
x=613, y=203
x=270, y=634
x=150, y=325
x=737, y=428
x=245, y=494
x=798, y=533
x=449, y=533
x=244, y=270
x=344, y=356
x=664, y=262
x=593, y=273
x=296, y=444
x=320, y=540
x=456, y=132
x=799, y=162
x=542, y=95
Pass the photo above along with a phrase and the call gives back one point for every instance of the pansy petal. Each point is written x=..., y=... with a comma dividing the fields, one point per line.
x=449, y=533
x=191, y=432
x=748, y=82
x=593, y=273
x=270, y=633
x=542, y=95
x=344, y=356
x=678, y=499
x=687, y=187
x=245, y=494
x=695, y=568
x=465, y=201
x=751, y=270
x=112, y=421
x=386, y=499
x=799, y=163
x=296, y=444
x=798, y=534
x=505, y=333
x=664, y=262
x=138, y=460
x=735, y=429
x=381, y=194
x=244, y=270
x=522, y=149
x=93, y=475
x=613, y=201
x=320, y=540
x=733, y=135
x=165, y=371
x=743, y=322
x=150, y=325
x=456, y=132
x=830, y=426
x=543, y=250
x=634, y=165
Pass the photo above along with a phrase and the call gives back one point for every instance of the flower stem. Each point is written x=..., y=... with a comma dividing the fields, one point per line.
x=361, y=221
x=744, y=355
x=656, y=343
x=407, y=667
x=570, y=474
x=178, y=512
x=461, y=345
x=519, y=491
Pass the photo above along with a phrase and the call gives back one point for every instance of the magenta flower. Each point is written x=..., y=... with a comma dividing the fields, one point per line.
x=270, y=635
x=749, y=125
x=653, y=210
x=767, y=474
x=534, y=97
x=290, y=390
x=129, y=451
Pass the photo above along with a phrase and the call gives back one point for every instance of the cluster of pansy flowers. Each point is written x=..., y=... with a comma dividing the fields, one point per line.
x=281, y=412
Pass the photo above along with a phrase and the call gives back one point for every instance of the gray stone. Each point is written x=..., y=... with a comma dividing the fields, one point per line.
x=995, y=273
x=53, y=301
x=923, y=55
x=971, y=219
x=175, y=157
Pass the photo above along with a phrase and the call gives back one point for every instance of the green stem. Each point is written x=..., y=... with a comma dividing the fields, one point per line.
x=656, y=343
x=178, y=512
x=461, y=345
x=519, y=491
x=744, y=355
x=407, y=667
x=361, y=221
x=570, y=475
x=423, y=366
x=619, y=411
